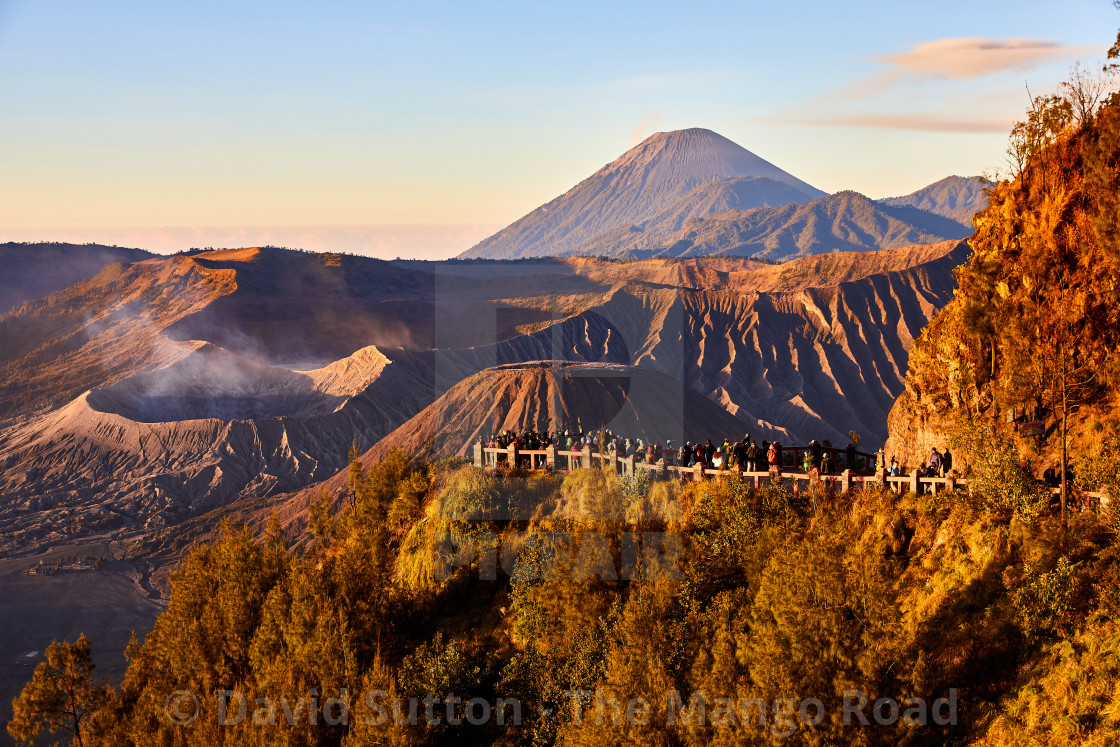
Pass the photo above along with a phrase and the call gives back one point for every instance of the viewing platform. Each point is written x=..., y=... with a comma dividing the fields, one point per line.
x=562, y=460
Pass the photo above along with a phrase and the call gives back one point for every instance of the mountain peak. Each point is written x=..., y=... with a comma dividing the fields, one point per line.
x=688, y=137
x=701, y=155
x=646, y=180
x=955, y=197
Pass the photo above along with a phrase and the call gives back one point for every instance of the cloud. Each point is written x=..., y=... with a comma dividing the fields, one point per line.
x=917, y=87
x=646, y=126
x=916, y=121
x=970, y=58
x=960, y=59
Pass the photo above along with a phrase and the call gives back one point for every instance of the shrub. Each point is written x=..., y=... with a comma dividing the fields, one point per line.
x=440, y=668
x=1098, y=469
x=1044, y=604
x=998, y=481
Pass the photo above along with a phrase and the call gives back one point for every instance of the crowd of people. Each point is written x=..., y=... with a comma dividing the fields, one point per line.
x=746, y=454
x=939, y=464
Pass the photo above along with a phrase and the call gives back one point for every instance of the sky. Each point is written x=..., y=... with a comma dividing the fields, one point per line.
x=417, y=129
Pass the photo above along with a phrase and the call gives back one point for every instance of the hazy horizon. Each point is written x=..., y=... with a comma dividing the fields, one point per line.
x=292, y=124
x=427, y=242
x=384, y=241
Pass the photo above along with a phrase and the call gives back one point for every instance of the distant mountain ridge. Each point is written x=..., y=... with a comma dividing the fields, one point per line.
x=692, y=192
x=644, y=182
x=36, y=270
x=955, y=197
x=843, y=222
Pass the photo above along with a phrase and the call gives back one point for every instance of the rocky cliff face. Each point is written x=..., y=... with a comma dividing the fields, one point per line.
x=810, y=363
x=1032, y=332
x=937, y=389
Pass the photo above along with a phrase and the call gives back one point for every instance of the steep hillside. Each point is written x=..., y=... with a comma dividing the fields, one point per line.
x=807, y=349
x=1032, y=333
x=275, y=306
x=132, y=431
x=161, y=446
x=955, y=197
x=101, y=330
x=1000, y=631
x=34, y=270
x=635, y=401
x=810, y=363
x=661, y=174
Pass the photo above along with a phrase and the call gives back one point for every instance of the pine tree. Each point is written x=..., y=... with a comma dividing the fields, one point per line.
x=62, y=693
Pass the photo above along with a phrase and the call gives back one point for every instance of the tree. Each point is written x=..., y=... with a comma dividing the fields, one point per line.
x=61, y=693
x=1057, y=315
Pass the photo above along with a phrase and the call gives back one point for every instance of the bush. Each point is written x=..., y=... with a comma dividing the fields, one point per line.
x=1098, y=469
x=998, y=481
x=1044, y=604
x=440, y=668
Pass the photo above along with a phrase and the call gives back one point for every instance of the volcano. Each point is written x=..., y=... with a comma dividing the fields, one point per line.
x=546, y=395
x=667, y=175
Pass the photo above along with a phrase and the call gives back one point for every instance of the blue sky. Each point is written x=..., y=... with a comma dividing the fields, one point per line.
x=415, y=129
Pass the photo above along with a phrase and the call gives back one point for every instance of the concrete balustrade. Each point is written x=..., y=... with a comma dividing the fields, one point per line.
x=556, y=459
x=563, y=460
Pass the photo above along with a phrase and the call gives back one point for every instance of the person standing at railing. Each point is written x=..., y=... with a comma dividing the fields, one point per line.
x=752, y=457
x=935, y=463
x=826, y=463
x=774, y=457
x=893, y=470
x=923, y=471
x=850, y=456
x=699, y=457
x=814, y=454
x=739, y=454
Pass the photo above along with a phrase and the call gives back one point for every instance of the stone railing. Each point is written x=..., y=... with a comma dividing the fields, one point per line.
x=553, y=458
